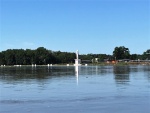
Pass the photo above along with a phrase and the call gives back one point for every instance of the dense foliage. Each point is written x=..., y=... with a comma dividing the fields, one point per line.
x=39, y=56
x=42, y=56
x=124, y=53
x=121, y=53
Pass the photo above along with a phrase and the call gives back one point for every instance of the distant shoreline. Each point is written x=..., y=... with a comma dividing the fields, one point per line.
x=94, y=64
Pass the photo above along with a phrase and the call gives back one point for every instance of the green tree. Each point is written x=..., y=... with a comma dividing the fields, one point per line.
x=146, y=55
x=64, y=57
x=121, y=52
x=41, y=55
x=9, y=57
x=29, y=57
x=133, y=56
x=2, y=60
x=19, y=56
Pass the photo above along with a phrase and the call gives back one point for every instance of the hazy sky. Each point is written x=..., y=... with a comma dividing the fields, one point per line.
x=91, y=26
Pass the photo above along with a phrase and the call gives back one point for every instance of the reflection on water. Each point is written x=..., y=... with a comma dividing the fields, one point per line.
x=89, y=89
x=77, y=73
x=122, y=74
x=17, y=73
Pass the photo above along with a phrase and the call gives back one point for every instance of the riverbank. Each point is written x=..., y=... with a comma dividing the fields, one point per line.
x=91, y=64
x=122, y=63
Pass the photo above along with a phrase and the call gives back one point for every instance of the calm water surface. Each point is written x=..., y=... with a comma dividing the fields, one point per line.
x=86, y=89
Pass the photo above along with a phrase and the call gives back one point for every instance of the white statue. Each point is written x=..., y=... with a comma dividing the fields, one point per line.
x=77, y=60
x=77, y=54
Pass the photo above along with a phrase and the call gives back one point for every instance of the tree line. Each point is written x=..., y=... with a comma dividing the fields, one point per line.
x=42, y=56
x=124, y=53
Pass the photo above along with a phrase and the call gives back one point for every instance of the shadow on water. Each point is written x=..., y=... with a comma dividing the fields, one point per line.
x=121, y=74
x=38, y=73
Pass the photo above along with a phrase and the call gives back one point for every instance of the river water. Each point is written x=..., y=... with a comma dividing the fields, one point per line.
x=69, y=89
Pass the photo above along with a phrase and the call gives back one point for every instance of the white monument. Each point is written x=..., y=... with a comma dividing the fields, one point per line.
x=77, y=60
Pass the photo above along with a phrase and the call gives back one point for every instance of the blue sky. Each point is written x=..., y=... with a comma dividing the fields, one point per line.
x=91, y=26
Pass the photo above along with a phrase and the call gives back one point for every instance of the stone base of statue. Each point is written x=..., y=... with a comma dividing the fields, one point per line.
x=77, y=62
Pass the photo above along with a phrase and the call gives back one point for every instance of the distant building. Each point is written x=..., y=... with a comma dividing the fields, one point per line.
x=123, y=60
x=86, y=61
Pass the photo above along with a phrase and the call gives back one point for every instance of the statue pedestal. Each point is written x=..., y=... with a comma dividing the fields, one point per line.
x=77, y=62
